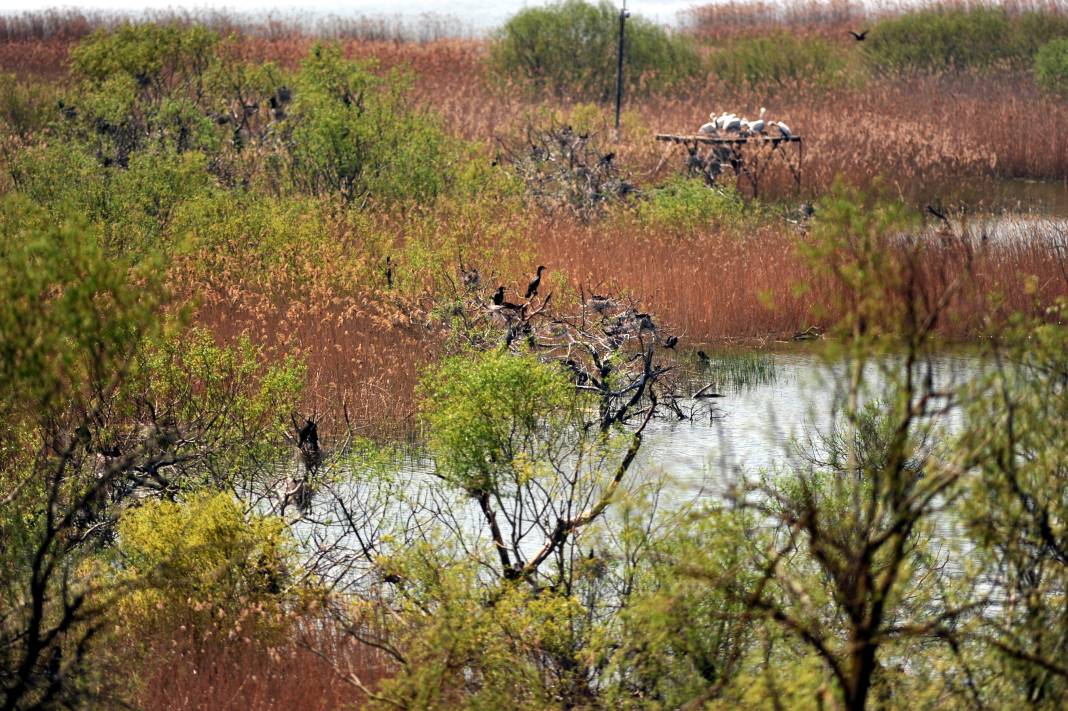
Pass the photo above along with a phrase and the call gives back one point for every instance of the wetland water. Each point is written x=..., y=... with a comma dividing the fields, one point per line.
x=757, y=425
x=759, y=420
x=770, y=402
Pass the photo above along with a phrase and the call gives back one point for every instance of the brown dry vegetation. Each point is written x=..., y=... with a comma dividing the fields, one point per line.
x=930, y=138
x=919, y=133
x=306, y=671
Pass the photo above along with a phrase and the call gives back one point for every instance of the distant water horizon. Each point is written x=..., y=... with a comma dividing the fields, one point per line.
x=471, y=17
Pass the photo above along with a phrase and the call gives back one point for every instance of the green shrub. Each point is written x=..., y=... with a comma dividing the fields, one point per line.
x=198, y=560
x=569, y=48
x=71, y=311
x=157, y=56
x=959, y=38
x=1051, y=66
x=351, y=133
x=687, y=203
x=25, y=109
x=777, y=60
x=483, y=412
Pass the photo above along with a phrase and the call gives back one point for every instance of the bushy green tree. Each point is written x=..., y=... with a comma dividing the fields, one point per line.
x=490, y=415
x=959, y=38
x=1016, y=512
x=570, y=49
x=1051, y=66
x=350, y=133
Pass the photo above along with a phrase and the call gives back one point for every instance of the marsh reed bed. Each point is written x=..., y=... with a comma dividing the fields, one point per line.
x=312, y=283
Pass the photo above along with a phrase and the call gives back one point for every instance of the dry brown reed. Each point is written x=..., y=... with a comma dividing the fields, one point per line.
x=363, y=350
x=723, y=286
x=306, y=671
x=923, y=134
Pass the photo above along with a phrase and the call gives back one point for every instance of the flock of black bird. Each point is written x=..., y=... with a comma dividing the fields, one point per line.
x=599, y=303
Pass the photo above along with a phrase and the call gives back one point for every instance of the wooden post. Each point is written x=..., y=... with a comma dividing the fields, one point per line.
x=623, y=14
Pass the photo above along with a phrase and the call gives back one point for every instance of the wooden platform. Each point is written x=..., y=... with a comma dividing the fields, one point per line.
x=747, y=156
x=705, y=138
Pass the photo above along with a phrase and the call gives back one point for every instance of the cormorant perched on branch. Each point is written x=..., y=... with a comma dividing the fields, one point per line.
x=671, y=342
x=498, y=296
x=532, y=288
x=308, y=435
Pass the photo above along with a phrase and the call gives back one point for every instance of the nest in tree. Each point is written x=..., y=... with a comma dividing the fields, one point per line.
x=566, y=170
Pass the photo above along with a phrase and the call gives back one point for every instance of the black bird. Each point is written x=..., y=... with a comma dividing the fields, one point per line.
x=645, y=322
x=498, y=296
x=607, y=159
x=938, y=213
x=859, y=37
x=532, y=287
x=703, y=357
x=389, y=272
x=308, y=435
x=671, y=342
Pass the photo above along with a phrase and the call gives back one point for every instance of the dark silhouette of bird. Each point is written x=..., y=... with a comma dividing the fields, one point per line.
x=498, y=296
x=703, y=358
x=54, y=666
x=859, y=36
x=389, y=272
x=671, y=342
x=938, y=213
x=532, y=287
x=606, y=159
x=308, y=435
x=645, y=322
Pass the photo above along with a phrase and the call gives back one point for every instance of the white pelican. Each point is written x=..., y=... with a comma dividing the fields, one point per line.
x=758, y=125
x=783, y=129
x=733, y=123
x=708, y=128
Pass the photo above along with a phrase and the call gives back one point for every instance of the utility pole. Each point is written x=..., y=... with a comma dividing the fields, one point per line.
x=623, y=15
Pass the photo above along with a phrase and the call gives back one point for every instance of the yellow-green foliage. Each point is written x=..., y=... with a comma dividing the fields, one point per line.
x=147, y=52
x=70, y=312
x=484, y=411
x=201, y=559
x=237, y=401
x=674, y=639
x=473, y=645
x=25, y=108
x=687, y=204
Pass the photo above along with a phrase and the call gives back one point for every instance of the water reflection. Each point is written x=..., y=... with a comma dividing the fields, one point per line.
x=756, y=427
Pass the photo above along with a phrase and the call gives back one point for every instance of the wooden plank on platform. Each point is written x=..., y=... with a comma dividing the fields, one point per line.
x=702, y=138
